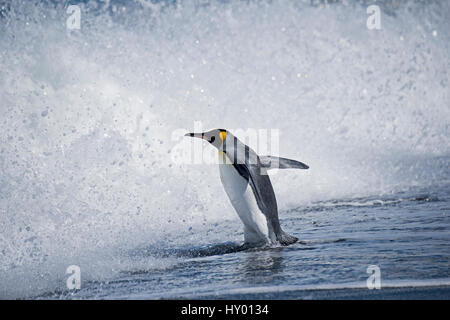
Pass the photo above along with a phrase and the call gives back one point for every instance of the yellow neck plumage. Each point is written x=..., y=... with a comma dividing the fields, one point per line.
x=223, y=158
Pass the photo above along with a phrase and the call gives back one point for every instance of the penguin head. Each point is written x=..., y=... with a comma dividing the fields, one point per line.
x=216, y=137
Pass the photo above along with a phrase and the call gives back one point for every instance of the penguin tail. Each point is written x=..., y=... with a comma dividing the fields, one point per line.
x=286, y=239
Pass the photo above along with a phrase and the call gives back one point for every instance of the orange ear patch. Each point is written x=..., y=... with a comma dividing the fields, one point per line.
x=223, y=135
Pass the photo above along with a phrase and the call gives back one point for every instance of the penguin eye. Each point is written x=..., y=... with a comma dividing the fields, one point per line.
x=212, y=139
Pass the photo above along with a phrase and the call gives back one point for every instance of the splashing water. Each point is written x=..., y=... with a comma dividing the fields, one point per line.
x=87, y=116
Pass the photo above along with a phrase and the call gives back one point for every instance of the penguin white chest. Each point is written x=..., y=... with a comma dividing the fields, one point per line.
x=256, y=228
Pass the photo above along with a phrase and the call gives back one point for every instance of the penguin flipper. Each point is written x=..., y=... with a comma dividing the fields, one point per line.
x=271, y=162
x=286, y=239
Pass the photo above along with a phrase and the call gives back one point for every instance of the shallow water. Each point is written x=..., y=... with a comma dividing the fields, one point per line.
x=92, y=124
x=405, y=234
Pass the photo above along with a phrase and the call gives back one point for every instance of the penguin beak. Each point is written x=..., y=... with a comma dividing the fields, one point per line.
x=196, y=135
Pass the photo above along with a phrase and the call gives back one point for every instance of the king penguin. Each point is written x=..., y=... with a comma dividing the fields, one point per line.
x=244, y=177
